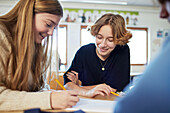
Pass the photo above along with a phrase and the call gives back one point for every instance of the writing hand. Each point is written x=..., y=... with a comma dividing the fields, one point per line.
x=64, y=99
x=101, y=89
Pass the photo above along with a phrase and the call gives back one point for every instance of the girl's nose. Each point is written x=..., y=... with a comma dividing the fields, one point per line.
x=103, y=43
x=50, y=32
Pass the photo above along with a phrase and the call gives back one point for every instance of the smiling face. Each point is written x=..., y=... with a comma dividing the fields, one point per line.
x=104, y=42
x=44, y=25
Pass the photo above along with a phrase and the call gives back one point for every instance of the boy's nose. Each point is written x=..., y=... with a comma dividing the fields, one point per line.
x=164, y=12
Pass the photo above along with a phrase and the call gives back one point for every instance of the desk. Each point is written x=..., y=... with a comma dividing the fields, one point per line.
x=99, y=97
x=111, y=97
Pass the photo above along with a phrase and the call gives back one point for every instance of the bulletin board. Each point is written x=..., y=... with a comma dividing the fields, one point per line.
x=91, y=15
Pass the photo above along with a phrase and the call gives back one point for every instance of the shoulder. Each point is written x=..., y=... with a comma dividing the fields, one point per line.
x=5, y=39
x=87, y=47
x=86, y=50
x=121, y=50
x=122, y=47
x=5, y=49
x=4, y=33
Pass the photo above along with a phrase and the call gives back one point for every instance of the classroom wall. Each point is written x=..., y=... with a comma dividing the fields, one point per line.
x=148, y=17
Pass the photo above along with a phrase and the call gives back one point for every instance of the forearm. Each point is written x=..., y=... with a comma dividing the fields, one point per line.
x=73, y=86
x=89, y=87
x=81, y=90
x=21, y=100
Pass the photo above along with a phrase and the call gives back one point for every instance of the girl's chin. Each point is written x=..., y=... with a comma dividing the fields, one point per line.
x=102, y=54
x=103, y=51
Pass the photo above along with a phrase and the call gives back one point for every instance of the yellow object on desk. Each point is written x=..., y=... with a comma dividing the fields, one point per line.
x=114, y=93
x=60, y=84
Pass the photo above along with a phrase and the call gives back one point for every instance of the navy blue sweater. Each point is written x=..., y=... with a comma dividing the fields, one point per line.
x=88, y=65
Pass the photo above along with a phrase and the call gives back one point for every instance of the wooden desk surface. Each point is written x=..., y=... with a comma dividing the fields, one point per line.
x=99, y=97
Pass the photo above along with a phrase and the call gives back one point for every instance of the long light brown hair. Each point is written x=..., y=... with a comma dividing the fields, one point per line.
x=28, y=57
x=120, y=34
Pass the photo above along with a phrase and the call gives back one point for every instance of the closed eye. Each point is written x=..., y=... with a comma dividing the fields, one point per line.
x=110, y=39
x=99, y=36
x=48, y=25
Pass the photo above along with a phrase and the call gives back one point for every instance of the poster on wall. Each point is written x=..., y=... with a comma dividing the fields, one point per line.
x=160, y=34
x=163, y=33
x=91, y=15
x=166, y=33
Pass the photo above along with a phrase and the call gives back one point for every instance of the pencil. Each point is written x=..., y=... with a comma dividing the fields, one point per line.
x=60, y=84
x=114, y=93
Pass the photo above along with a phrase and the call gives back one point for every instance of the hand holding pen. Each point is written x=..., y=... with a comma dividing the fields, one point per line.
x=63, y=99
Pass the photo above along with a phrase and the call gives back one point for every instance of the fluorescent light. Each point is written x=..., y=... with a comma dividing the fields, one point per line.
x=96, y=2
x=106, y=2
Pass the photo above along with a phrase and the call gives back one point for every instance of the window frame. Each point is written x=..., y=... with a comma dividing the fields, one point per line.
x=128, y=28
x=61, y=25
x=82, y=27
x=145, y=29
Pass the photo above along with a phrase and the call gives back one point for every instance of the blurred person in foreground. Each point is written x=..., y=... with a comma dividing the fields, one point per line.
x=152, y=93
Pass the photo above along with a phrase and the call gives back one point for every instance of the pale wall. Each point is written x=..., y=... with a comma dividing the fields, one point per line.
x=148, y=17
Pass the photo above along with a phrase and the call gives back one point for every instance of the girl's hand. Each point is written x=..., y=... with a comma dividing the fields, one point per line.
x=101, y=89
x=73, y=76
x=64, y=99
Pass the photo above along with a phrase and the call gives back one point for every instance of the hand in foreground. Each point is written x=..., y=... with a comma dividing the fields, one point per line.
x=101, y=89
x=64, y=99
x=73, y=76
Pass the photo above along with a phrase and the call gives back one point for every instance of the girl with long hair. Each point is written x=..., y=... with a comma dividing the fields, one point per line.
x=24, y=59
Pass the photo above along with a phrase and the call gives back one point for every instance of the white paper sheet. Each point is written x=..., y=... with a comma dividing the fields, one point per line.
x=93, y=105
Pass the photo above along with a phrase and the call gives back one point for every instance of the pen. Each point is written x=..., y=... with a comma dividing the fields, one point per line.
x=60, y=84
x=114, y=93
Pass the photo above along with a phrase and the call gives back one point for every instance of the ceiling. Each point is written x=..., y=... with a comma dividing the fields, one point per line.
x=151, y=3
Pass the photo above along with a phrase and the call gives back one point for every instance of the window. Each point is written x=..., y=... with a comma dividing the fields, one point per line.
x=62, y=46
x=138, y=43
x=86, y=36
x=138, y=46
x=58, y=44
